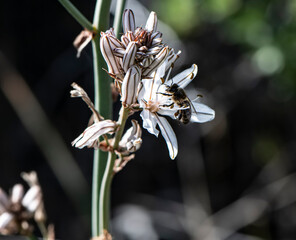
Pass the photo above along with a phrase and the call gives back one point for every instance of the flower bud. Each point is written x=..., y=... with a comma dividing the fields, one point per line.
x=129, y=88
x=32, y=199
x=151, y=23
x=129, y=56
x=128, y=20
x=5, y=218
x=4, y=201
x=17, y=193
x=131, y=140
x=110, y=58
x=159, y=59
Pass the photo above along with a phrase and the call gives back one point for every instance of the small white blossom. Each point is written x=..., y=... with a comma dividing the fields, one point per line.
x=17, y=209
x=131, y=140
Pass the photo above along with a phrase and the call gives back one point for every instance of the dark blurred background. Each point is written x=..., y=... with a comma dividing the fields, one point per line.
x=234, y=177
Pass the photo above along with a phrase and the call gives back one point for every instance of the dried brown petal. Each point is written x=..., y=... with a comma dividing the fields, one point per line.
x=82, y=40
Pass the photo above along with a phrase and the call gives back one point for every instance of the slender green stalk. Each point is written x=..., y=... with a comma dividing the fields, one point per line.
x=117, y=24
x=103, y=162
x=77, y=15
x=42, y=228
x=108, y=174
x=103, y=103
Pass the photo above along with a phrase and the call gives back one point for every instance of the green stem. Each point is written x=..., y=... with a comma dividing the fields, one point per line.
x=99, y=164
x=77, y=15
x=108, y=174
x=117, y=25
x=103, y=103
x=42, y=228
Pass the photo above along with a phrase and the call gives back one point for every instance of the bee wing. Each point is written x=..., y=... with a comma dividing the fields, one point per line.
x=185, y=77
x=201, y=113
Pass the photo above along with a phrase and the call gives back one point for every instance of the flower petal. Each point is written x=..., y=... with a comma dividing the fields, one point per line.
x=93, y=132
x=185, y=77
x=151, y=23
x=169, y=135
x=159, y=59
x=128, y=21
x=149, y=122
x=201, y=113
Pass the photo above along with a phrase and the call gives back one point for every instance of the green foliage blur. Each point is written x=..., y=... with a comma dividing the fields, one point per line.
x=265, y=29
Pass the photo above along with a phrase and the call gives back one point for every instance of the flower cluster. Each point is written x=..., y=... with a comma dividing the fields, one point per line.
x=19, y=208
x=141, y=64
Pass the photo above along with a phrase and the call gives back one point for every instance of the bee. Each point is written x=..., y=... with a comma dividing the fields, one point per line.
x=180, y=98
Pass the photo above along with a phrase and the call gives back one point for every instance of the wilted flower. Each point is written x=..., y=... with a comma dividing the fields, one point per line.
x=18, y=209
x=89, y=138
x=82, y=40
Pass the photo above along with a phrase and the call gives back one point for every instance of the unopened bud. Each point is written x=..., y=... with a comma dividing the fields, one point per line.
x=128, y=21
x=159, y=59
x=131, y=140
x=110, y=58
x=17, y=193
x=130, y=85
x=129, y=56
x=151, y=23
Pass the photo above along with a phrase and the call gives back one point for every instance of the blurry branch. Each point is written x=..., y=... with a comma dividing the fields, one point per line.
x=195, y=196
x=77, y=15
x=251, y=207
x=43, y=132
x=118, y=17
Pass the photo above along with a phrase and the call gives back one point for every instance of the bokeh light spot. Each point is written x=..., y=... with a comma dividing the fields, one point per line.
x=268, y=60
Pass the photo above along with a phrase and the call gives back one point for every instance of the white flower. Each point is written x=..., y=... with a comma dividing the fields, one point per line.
x=157, y=101
x=20, y=207
x=131, y=141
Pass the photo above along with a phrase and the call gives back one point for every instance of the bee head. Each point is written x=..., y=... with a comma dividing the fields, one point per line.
x=173, y=88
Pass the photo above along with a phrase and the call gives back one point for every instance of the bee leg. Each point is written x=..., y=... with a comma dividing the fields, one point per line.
x=177, y=115
x=165, y=94
x=168, y=105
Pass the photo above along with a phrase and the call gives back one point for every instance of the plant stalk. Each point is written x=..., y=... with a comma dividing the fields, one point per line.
x=103, y=103
x=117, y=24
x=108, y=174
